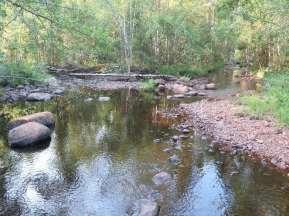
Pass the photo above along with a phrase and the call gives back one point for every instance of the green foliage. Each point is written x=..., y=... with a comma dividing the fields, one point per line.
x=189, y=70
x=16, y=74
x=274, y=99
x=148, y=85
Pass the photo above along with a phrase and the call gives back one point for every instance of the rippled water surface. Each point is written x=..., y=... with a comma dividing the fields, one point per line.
x=102, y=158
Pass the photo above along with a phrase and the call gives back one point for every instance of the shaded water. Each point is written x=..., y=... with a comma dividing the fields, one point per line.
x=103, y=155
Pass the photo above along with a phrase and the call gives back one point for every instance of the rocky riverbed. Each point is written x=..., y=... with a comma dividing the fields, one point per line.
x=53, y=87
x=228, y=128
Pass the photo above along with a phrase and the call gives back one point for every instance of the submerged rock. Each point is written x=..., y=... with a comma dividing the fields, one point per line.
x=104, y=99
x=45, y=118
x=174, y=159
x=145, y=207
x=28, y=134
x=38, y=96
x=161, y=178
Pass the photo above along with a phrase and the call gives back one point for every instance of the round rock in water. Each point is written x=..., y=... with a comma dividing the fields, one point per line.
x=45, y=118
x=28, y=134
x=161, y=178
x=146, y=207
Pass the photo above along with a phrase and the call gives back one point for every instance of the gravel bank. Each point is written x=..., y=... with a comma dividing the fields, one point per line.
x=224, y=123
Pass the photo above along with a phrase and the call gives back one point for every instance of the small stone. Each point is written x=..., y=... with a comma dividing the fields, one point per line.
x=88, y=99
x=174, y=159
x=104, y=99
x=191, y=94
x=210, y=86
x=186, y=131
x=161, y=178
x=145, y=207
x=175, y=138
x=157, y=141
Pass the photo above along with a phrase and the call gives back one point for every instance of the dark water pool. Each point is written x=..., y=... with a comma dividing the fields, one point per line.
x=102, y=158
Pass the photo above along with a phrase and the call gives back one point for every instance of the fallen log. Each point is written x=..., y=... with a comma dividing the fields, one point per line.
x=123, y=77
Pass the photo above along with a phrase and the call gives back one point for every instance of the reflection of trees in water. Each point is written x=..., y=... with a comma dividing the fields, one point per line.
x=253, y=193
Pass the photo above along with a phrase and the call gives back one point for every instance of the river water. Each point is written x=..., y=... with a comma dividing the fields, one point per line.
x=103, y=155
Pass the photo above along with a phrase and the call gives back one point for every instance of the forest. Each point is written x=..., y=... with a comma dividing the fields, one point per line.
x=182, y=37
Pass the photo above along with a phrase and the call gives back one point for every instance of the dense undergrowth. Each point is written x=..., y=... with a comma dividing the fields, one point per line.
x=19, y=73
x=274, y=98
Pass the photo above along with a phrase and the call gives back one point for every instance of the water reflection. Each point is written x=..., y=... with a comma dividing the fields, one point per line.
x=102, y=157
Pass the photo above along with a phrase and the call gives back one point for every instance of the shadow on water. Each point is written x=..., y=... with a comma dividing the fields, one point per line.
x=103, y=155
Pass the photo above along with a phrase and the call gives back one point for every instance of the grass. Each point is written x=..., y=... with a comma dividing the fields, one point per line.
x=189, y=70
x=17, y=74
x=273, y=100
x=148, y=85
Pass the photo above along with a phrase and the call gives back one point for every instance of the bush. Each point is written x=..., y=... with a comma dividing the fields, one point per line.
x=148, y=85
x=16, y=74
x=274, y=99
x=189, y=70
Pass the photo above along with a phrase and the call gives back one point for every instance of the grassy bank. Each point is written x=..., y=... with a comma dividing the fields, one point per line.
x=273, y=100
x=17, y=74
x=189, y=70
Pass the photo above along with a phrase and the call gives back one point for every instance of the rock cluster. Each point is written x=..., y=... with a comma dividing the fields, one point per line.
x=30, y=130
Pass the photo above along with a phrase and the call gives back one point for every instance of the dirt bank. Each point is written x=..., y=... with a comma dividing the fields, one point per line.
x=229, y=129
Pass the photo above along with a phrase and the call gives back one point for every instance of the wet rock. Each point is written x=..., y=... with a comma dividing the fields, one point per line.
x=184, y=137
x=202, y=94
x=145, y=207
x=45, y=118
x=191, y=94
x=28, y=134
x=104, y=99
x=186, y=131
x=58, y=91
x=210, y=86
x=178, y=96
x=88, y=100
x=157, y=141
x=38, y=96
x=161, y=178
x=175, y=138
x=174, y=159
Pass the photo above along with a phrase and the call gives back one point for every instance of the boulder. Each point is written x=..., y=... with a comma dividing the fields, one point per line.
x=45, y=118
x=145, y=207
x=180, y=88
x=39, y=96
x=103, y=99
x=161, y=178
x=210, y=86
x=28, y=134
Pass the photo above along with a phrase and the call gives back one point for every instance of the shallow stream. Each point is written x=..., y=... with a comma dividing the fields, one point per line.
x=103, y=155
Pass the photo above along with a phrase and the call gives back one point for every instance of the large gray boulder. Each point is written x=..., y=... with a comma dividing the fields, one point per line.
x=147, y=207
x=45, y=118
x=28, y=134
x=39, y=96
